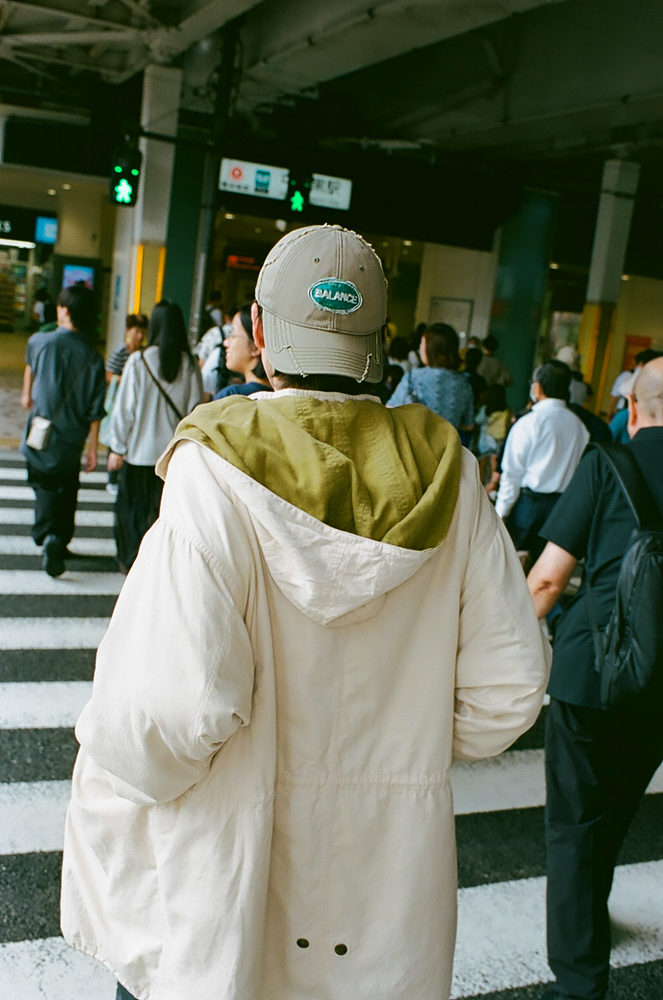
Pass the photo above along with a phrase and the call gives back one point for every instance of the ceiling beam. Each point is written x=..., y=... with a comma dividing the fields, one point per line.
x=61, y=39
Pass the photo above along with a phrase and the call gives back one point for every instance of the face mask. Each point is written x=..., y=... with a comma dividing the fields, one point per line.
x=533, y=396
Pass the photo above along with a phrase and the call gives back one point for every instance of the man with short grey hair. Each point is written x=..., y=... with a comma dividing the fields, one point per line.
x=598, y=762
x=312, y=630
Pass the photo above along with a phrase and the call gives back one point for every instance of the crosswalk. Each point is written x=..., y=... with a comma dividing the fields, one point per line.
x=49, y=630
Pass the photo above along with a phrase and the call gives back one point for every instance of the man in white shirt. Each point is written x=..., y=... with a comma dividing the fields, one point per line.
x=541, y=454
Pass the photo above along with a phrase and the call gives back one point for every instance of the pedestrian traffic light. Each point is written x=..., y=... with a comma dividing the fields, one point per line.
x=299, y=189
x=125, y=175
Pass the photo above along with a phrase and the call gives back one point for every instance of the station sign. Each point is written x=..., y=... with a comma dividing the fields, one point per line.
x=264, y=181
x=257, y=179
x=26, y=225
x=330, y=192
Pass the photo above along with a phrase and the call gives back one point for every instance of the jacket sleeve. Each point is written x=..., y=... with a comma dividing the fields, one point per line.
x=175, y=671
x=503, y=657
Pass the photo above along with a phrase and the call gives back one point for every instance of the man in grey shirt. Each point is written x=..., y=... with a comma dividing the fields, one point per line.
x=64, y=382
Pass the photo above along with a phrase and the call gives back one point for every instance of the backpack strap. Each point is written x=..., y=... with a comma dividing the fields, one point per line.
x=634, y=485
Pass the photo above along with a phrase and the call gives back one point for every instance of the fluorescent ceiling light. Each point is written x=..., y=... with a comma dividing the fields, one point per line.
x=22, y=244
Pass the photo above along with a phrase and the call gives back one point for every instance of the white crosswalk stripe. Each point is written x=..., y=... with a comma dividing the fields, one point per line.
x=501, y=930
x=27, y=705
x=84, y=518
x=26, y=493
x=501, y=940
x=21, y=545
x=18, y=473
x=71, y=583
x=52, y=633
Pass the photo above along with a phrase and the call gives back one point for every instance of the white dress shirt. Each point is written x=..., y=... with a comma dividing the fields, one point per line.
x=143, y=423
x=542, y=452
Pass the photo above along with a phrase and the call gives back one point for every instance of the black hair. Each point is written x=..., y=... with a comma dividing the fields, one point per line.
x=491, y=343
x=644, y=357
x=82, y=306
x=50, y=312
x=442, y=346
x=215, y=296
x=554, y=377
x=326, y=383
x=138, y=320
x=473, y=358
x=399, y=348
x=168, y=331
x=244, y=313
x=495, y=399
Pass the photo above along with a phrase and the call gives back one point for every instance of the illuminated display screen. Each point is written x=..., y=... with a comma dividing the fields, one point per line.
x=46, y=229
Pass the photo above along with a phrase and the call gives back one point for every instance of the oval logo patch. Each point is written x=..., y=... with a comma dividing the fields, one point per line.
x=335, y=295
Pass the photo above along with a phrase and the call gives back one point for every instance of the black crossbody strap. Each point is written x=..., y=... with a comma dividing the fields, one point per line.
x=633, y=484
x=161, y=389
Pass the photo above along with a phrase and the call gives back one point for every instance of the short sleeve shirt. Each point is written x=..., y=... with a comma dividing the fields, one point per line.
x=593, y=520
x=69, y=387
x=117, y=361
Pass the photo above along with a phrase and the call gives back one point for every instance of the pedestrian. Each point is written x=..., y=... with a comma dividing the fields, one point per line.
x=159, y=387
x=63, y=387
x=598, y=761
x=314, y=627
x=243, y=358
x=439, y=385
x=135, y=328
x=541, y=454
x=493, y=368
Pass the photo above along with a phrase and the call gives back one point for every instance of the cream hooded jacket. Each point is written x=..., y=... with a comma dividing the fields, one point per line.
x=261, y=804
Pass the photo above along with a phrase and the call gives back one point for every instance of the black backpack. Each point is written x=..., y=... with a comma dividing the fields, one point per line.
x=629, y=650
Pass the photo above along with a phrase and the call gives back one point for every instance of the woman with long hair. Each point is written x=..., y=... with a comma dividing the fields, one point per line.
x=243, y=357
x=159, y=386
x=439, y=385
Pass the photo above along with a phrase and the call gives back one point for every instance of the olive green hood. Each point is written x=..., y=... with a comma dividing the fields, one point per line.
x=349, y=462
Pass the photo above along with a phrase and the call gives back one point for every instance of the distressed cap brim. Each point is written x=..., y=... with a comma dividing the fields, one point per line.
x=300, y=350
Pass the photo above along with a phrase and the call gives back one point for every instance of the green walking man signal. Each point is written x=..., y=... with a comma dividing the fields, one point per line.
x=124, y=176
x=297, y=202
x=299, y=189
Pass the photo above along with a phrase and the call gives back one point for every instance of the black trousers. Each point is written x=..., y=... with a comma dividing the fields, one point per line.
x=527, y=518
x=123, y=994
x=136, y=509
x=598, y=766
x=56, y=494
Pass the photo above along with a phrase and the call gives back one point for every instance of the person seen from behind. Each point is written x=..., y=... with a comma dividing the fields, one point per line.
x=493, y=368
x=312, y=631
x=135, y=328
x=63, y=387
x=439, y=385
x=599, y=760
x=159, y=387
x=540, y=456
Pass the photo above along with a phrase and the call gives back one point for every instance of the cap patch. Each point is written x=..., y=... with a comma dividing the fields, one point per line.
x=335, y=295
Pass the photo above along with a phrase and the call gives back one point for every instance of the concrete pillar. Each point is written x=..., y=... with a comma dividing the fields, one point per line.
x=139, y=255
x=522, y=272
x=620, y=182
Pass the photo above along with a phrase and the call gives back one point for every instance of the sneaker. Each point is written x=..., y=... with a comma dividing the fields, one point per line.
x=52, y=559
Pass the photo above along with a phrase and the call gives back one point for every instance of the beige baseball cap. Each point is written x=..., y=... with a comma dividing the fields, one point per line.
x=324, y=300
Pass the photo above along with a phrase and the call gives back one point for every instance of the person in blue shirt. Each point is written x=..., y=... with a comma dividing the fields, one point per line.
x=439, y=385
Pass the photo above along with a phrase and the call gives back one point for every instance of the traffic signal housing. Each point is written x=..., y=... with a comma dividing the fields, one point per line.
x=124, y=176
